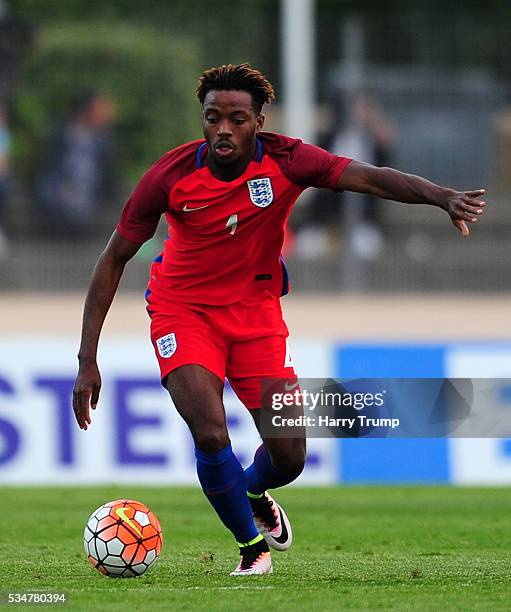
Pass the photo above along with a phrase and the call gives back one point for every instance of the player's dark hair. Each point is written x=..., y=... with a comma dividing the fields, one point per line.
x=240, y=77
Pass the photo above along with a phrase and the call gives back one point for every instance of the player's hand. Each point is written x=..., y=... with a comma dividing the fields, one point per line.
x=86, y=393
x=465, y=207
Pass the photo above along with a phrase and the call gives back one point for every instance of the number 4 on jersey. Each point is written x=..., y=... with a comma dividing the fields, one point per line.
x=232, y=222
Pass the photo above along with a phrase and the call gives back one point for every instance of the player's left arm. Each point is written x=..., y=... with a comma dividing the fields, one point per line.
x=462, y=206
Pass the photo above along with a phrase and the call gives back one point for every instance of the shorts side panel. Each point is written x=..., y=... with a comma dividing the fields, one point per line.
x=256, y=359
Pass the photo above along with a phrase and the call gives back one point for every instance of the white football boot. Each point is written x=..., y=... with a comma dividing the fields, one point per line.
x=271, y=521
x=254, y=561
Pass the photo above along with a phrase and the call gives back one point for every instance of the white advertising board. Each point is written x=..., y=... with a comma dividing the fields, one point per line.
x=136, y=435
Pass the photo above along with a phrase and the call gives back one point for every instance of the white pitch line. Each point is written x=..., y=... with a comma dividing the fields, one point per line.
x=222, y=588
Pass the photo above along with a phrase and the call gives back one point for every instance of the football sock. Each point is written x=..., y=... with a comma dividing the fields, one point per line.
x=261, y=475
x=251, y=552
x=223, y=482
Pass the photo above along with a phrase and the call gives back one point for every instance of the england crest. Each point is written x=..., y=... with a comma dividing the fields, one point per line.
x=167, y=345
x=260, y=192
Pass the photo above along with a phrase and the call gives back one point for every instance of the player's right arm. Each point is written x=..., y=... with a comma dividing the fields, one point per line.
x=103, y=285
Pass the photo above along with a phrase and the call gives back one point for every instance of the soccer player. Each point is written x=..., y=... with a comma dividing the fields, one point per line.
x=214, y=293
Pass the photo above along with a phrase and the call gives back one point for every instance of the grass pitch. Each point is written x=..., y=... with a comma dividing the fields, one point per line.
x=428, y=548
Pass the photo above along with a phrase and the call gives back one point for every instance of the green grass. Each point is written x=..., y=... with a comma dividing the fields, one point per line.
x=400, y=548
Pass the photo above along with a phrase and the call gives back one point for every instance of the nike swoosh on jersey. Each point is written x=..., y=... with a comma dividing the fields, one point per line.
x=187, y=209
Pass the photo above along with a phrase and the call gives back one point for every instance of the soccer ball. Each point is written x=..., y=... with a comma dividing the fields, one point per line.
x=122, y=538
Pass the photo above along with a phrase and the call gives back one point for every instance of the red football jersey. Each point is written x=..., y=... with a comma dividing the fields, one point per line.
x=225, y=238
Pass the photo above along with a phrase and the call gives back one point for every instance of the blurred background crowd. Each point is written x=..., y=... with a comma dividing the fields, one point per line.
x=92, y=92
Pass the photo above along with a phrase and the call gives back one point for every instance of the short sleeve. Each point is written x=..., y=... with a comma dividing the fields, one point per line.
x=304, y=164
x=312, y=166
x=142, y=212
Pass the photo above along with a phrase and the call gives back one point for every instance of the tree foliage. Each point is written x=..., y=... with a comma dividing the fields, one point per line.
x=151, y=76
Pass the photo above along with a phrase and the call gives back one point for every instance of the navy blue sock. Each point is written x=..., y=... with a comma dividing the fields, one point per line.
x=261, y=474
x=223, y=482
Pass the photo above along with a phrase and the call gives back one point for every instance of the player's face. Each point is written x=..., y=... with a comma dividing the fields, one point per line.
x=230, y=125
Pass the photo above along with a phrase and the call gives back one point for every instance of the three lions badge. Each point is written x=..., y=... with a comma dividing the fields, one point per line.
x=260, y=192
x=167, y=345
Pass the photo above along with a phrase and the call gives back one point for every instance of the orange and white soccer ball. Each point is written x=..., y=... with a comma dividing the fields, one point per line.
x=122, y=538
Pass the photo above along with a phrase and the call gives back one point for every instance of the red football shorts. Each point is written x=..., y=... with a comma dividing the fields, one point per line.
x=244, y=341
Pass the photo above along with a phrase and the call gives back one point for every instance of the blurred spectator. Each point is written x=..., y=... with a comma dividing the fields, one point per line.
x=77, y=175
x=5, y=145
x=16, y=39
x=367, y=136
x=16, y=36
x=364, y=133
